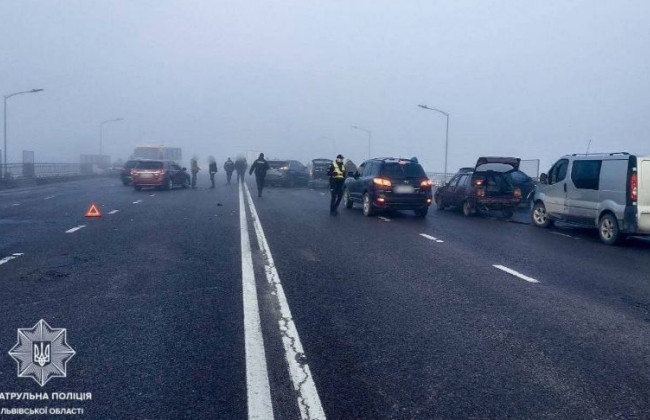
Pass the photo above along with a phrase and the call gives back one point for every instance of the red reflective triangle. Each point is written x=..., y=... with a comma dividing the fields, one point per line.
x=93, y=211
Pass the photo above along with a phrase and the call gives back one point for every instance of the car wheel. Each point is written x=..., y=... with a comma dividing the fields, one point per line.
x=347, y=201
x=439, y=204
x=508, y=213
x=609, y=231
x=539, y=216
x=468, y=209
x=367, y=205
x=170, y=184
x=422, y=212
x=137, y=187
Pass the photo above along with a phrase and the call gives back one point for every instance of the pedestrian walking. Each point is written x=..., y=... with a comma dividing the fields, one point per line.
x=240, y=167
x=337, y=175
x=194, y=168
x=229, y=167
x=213, y=170
x=260, y=166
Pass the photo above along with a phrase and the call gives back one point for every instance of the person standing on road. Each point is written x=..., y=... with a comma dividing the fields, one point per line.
x=213, y=170
x=260, y=166
x=240, y=167
x=337, y=174
x=194, y=168
x=229, y=167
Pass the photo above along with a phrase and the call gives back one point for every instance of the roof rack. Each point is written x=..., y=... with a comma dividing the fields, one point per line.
x=601, y=154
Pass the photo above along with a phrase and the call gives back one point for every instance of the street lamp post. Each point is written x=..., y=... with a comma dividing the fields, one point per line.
x=369, y=138
x=446, y=114
x=101, y=131
x=5, y=173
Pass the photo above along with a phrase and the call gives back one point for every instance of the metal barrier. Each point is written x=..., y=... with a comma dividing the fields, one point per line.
x=15, y=171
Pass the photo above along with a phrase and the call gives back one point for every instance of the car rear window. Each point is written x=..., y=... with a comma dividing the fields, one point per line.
x=275, y=164
x=496, y=167
x=149, y=165
x=130, y=164
x=402, y=170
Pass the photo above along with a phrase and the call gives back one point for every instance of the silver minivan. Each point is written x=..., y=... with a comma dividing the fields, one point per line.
x=608, y=191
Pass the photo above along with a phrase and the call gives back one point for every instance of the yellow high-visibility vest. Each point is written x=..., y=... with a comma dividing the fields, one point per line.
x=339, y=172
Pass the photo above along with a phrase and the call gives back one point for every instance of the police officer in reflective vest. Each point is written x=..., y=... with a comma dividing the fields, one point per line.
x=337, y=174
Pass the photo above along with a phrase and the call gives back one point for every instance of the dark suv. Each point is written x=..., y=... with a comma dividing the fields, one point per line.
x=489, y=186
x=286, y=173
x=389, y=184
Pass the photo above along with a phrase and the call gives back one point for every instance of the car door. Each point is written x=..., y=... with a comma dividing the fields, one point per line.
x=354, y=184
x=176, y=174
x=554, y=192
x=462, y=189
x=448, y=191
x=582, y=197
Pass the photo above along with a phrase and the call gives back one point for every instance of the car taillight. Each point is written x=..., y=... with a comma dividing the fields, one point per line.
x=517, y=192
x=382, y=182
x=478, y=182
x=634, y=187
x=426, y=183
x=480, y=192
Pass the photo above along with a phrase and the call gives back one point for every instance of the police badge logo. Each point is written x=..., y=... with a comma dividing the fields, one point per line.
x=42, y=352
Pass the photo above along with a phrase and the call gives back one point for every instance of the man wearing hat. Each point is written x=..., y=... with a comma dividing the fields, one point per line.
x=337, y=174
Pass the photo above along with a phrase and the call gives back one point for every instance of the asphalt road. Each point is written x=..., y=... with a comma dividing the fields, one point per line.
x=384, y=317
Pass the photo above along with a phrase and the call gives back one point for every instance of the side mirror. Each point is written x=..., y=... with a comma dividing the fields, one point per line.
x=543, y=179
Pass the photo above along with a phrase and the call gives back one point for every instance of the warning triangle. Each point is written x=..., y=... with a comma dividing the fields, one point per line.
x=93, y=211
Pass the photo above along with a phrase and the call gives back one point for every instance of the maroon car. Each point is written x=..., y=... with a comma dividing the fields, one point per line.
x=488, y=187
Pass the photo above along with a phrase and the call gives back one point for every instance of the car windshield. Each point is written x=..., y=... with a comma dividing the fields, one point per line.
x=149, y=165
x=130, y=164
x=400, y=170
x=276, y=164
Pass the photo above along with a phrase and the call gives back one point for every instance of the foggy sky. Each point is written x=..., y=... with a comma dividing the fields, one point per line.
x=533, y=79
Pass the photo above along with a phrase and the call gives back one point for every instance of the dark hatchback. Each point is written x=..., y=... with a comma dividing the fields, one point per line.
x=318, y=177
x=389, y=184
x=286, y=173
x=489, y=187
x=159, y=174
x=125, y=172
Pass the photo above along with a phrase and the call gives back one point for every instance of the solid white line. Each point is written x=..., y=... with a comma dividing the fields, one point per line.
x=11, y=257
x=515, y=273
x=303, y=381
x=113, y=211
x=138, y=201
x=385, y=219
x=74, y=229
x=50, y=197
x=257, y=377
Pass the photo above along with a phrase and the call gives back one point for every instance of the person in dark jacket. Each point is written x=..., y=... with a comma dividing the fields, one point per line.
x=260, y=166
x=240, y=167
x=213, y=170
x=229, y=167
x=337, y=175
x=194, y=168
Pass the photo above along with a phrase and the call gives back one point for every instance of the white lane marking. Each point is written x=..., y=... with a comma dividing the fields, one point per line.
x=258, y=388
x=385, y=219
x=515, y=273
x=113, y=211
x=15, y=204
x=137, y=202
x=50, y=197
x=11, y=257
x=432, y=238
x=303, y=381
x=74, y=229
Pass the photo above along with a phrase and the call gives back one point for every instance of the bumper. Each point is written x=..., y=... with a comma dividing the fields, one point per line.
x=402, y=202
x=496, y=203
x=148, y=182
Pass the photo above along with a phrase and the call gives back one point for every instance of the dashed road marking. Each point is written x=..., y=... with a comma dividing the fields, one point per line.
x=564, y=234
x=11, y=257
x=385, y=219
x=258, y=388
x=137, y=202
x=113, y=211
x=15, y=204
x=50, y=197
x=74, y=229
x=299, y=371
x=515, y=273
x=431, y=238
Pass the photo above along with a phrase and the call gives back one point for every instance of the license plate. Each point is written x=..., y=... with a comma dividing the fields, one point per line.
x=146, y=175
x=404, y=189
